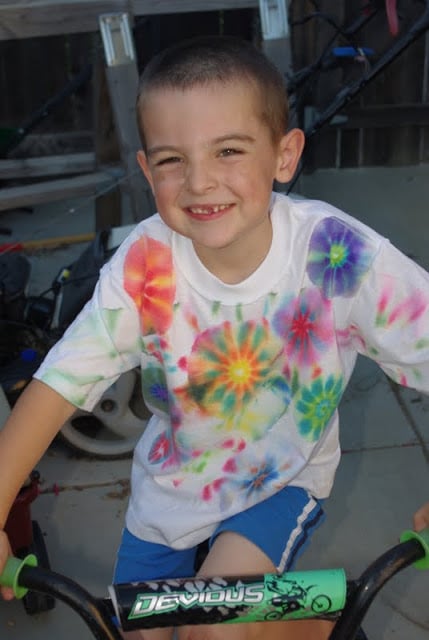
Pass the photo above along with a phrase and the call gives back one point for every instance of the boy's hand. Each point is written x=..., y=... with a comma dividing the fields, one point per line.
x=5, y=552
x=421, y=518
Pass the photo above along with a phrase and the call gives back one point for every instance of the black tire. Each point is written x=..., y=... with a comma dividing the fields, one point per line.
x=321, y=604
x=273, y=615
x=38, y=602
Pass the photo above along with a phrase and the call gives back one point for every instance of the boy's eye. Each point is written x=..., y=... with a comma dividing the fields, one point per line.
x=229, y=151
x=168, y=160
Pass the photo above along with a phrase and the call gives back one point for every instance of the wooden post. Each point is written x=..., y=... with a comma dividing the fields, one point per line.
x=276, y=33
x=108, y=206
x=122, y=81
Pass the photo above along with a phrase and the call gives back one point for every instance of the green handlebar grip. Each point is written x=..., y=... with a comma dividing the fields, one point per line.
x=423, y=538
x=11, y=571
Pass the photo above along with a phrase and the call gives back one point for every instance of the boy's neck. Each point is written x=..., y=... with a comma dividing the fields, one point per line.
x=235, y=263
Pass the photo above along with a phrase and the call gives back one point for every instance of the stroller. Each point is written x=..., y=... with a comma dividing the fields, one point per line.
x=30, y=326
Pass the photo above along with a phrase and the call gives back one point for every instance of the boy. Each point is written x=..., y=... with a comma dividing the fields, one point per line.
x=245, y=311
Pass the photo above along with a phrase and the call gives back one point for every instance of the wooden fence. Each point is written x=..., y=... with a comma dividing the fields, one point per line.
x=34, y=70
x=388, y=124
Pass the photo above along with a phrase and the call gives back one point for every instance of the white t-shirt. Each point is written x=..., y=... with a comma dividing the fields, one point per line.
x=243, y=380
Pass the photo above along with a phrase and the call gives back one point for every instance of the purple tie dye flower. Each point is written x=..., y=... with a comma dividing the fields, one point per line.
x=305, y=325
x=338, y=259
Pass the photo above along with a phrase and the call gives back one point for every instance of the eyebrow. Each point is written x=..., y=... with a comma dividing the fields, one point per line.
x=229, y=137
x=240, y=137
x=153, y=150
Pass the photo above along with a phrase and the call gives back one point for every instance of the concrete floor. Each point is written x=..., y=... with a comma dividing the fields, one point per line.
x=393, y=201
x=382, y=479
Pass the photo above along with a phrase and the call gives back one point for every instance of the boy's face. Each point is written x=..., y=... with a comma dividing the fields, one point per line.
x=211, y=163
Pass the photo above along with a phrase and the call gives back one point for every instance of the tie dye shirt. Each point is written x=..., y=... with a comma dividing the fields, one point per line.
x=243, y=380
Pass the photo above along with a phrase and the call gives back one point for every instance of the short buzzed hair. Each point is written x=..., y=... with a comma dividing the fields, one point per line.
x=218, y=60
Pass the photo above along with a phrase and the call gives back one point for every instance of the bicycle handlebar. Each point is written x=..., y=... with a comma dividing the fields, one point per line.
x=293, y=595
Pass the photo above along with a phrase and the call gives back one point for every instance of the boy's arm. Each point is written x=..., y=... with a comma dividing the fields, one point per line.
x=35, y=420
x=391, y=316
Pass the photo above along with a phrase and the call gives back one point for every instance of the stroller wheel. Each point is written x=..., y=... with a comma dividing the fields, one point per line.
x=115, y=425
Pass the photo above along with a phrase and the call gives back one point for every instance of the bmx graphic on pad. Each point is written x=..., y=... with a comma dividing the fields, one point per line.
x=291, y=596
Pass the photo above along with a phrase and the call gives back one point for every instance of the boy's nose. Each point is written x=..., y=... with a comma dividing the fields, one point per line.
x=200, y=177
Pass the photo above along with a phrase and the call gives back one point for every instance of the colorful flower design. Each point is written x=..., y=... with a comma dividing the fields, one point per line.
x=305, y=325
x=90, y=340
x=73, y=387
x=339, y=257
x=248, y=479
x=230, y=366
x=254, y=480
x=154, y=388
x=403, y=313
x=316, y=404
x=260, y=476
x=161, y=448
x=149, y=280
x=94, y=334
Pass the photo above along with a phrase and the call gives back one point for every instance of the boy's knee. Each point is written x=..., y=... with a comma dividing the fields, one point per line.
x=255, y=631
x=293, y=630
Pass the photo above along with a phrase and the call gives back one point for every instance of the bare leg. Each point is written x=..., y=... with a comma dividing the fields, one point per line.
x=232, y=554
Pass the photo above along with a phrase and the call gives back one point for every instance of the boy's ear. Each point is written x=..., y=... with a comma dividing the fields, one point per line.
x=290, y=150
x=144, y=166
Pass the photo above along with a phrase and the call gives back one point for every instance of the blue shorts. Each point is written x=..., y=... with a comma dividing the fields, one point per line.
x=281, y=526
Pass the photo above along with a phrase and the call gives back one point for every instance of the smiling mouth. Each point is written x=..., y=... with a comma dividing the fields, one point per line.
x=209, y=210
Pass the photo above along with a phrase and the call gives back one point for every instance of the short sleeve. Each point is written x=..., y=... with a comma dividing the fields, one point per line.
x=102, y=343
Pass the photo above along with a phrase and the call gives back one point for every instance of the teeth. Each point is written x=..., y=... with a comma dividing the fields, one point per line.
x=214, y=209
